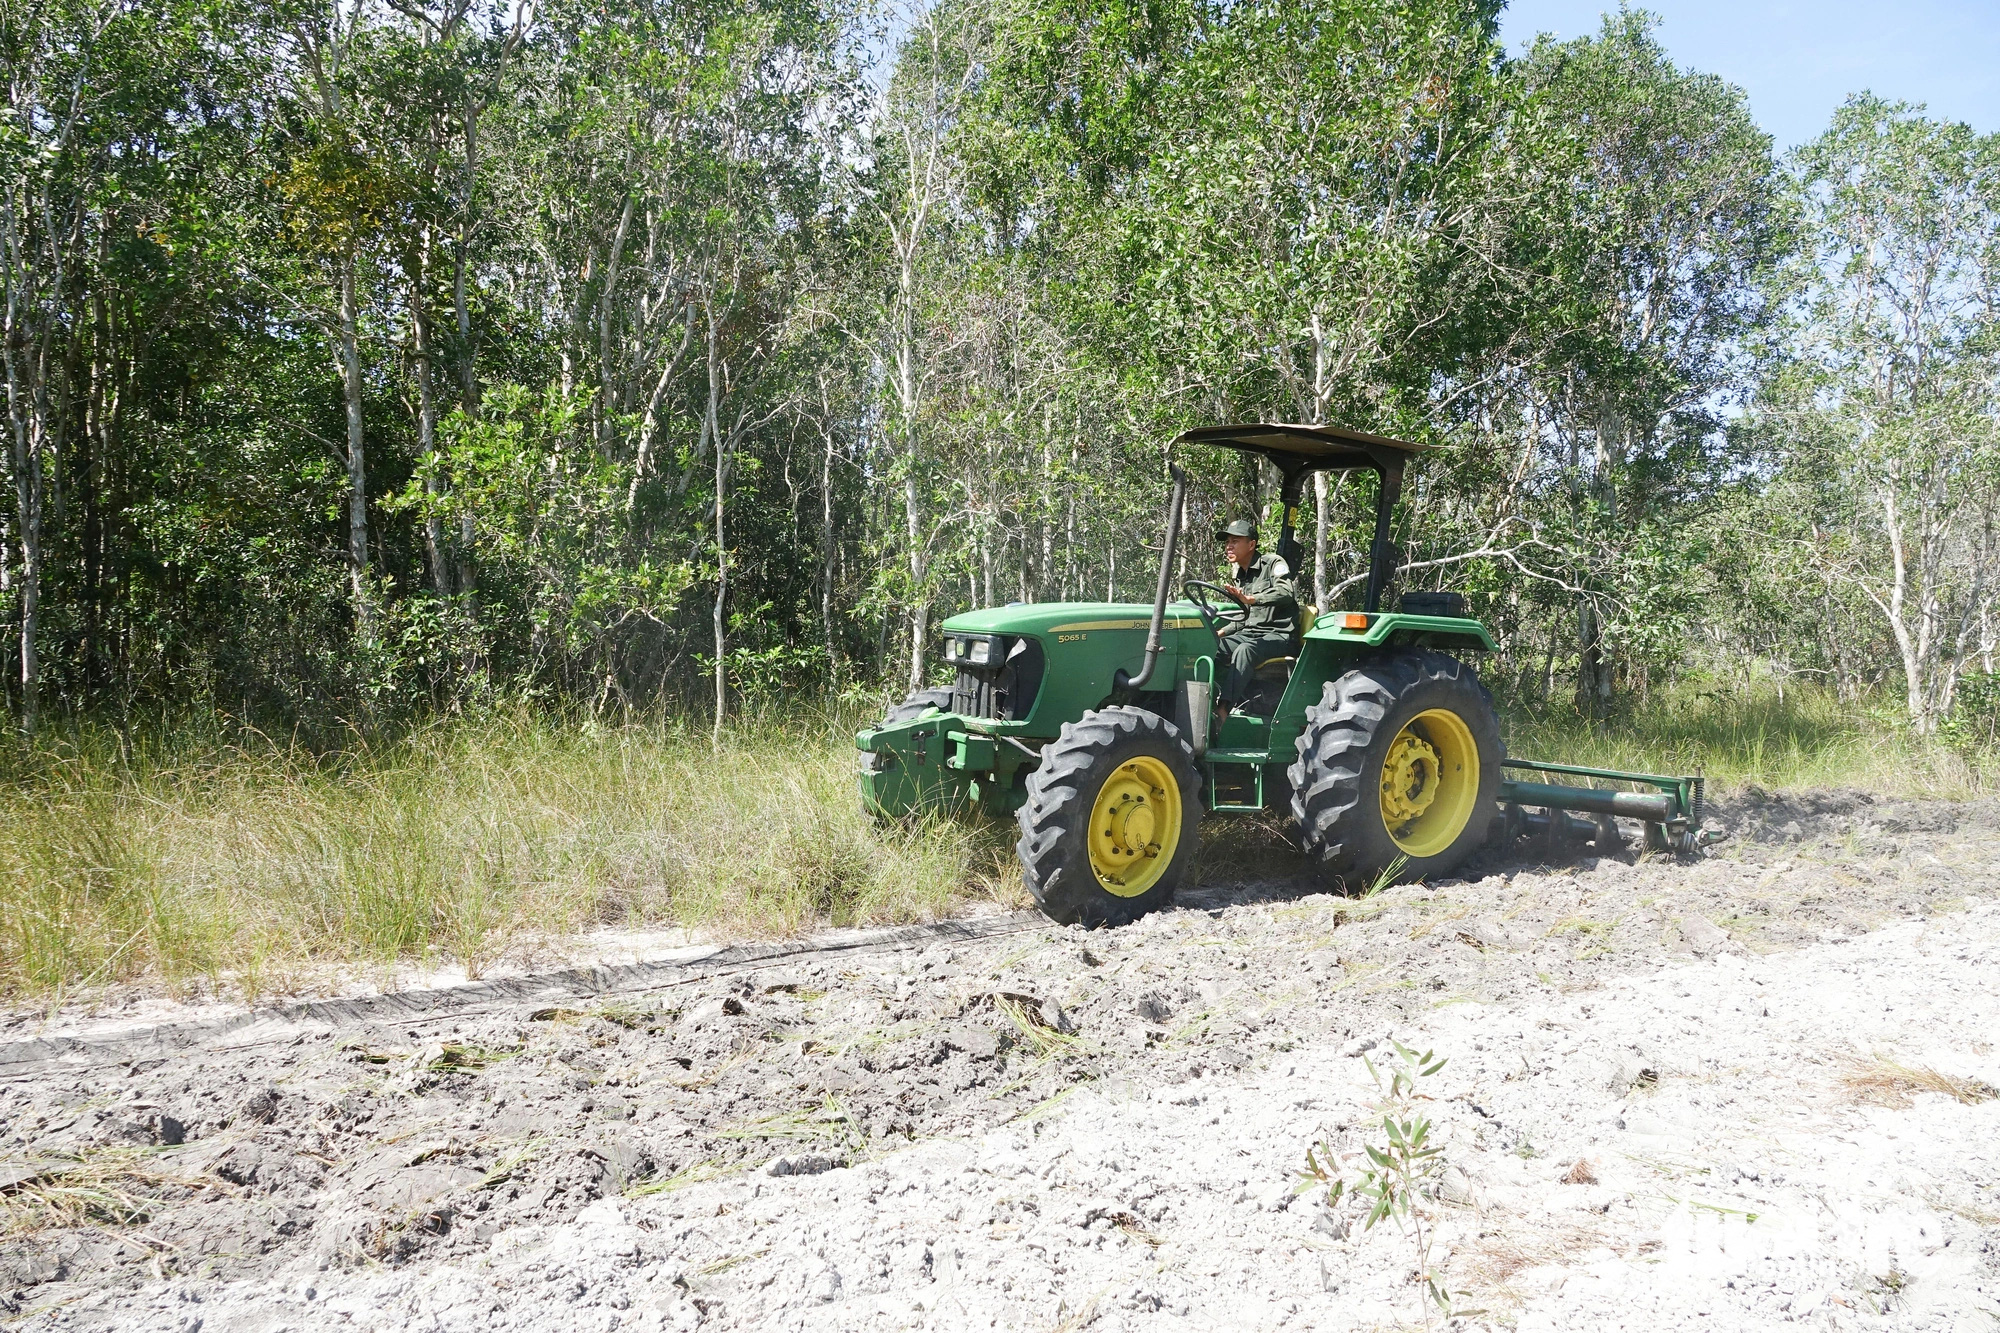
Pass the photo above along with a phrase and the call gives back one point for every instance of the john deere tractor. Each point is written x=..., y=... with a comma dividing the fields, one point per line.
x=1097, y=725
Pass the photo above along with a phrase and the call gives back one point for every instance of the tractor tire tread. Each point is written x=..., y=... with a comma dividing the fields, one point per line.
x=1053, y=847
x=923, y=701
x=1330, y=794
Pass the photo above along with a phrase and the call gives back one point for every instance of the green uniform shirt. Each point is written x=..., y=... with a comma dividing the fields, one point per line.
x=1274, y=599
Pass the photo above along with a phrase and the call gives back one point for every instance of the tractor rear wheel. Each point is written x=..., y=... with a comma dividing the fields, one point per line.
x=1398, y=766
x=1112, y=818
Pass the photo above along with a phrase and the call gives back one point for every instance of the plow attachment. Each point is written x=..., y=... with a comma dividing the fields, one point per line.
x=1671, y=811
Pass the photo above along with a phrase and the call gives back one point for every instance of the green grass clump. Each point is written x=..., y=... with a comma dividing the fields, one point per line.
x=197, y=855
x=256, y=864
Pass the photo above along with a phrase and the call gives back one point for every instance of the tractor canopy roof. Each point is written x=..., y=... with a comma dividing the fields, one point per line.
x=1297, y=449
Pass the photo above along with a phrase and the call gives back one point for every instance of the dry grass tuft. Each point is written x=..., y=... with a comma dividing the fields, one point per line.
x=1035, y=1029
x=108, y=1188
x=1513, y=1245
x=1887, y=1082
x=1132, y=1226
x=1580, y=1173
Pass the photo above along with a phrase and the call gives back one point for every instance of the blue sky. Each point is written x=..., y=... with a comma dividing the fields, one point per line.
x=1799, y=59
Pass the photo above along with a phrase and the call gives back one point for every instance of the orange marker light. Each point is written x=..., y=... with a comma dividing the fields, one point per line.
x=1354, y=620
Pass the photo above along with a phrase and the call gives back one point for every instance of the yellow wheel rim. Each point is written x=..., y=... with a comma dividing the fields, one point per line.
x=1135, y=825
x=1430, y=780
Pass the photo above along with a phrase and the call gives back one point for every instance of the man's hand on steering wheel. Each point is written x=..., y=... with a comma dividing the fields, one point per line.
x=1221, y=620
x=1242, y=598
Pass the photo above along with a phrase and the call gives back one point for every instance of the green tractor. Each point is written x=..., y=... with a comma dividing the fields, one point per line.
x=1096, y=725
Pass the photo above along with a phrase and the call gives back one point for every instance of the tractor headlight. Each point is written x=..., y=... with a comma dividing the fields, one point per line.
x=969, y=651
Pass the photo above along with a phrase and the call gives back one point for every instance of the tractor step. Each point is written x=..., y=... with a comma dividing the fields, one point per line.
x=1254, y=760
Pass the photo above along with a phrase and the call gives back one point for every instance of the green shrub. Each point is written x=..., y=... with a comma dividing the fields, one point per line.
x=1973, y=724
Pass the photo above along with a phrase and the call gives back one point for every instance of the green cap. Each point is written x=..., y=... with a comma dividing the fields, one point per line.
x=1242, y=527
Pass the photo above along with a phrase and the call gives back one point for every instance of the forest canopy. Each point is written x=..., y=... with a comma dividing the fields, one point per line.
x=366, y=360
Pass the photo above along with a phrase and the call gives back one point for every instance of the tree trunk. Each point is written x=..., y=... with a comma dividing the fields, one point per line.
x=26, y=352
x=826, y=547
x=468, y=368
x=28, y=497
x=94, y=444
x=607, y=370
x=6, y=570
x=718, y=615
x=920, y=602
x=1594, y=673
x=35, y=282
x=1909, y=647
x=1548, y=680
x=357, y=463
x=1046, y=529
x=1071, y=575
x=1593, y=686
x=1320, y=598
x=420, y=325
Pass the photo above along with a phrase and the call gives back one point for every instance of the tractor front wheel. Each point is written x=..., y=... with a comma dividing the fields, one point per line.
x=1112, y=818
x=1398, y=767
x=934, y=700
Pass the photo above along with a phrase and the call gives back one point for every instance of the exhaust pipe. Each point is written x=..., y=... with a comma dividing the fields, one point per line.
x=1174, y=507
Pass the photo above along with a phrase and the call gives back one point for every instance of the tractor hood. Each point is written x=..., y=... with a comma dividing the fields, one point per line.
x=1050, y=662
x=1045, y=618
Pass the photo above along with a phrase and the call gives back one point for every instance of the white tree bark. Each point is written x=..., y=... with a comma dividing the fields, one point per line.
x=420, y=333
x=1320, y=554
x=348, y=348
x=829, y=441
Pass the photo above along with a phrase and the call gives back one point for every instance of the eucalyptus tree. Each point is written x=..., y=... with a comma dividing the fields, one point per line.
x=918, y=204
x=1242, y=210
x=1645, y=215
x=342, y=194
x=111, y=118
x=602, y=157
x=51, y=52
x=447, y=60
x=659, y=165
x=1881, y=403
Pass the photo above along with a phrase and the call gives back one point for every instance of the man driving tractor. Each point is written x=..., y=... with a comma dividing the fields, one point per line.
x=1262, y=586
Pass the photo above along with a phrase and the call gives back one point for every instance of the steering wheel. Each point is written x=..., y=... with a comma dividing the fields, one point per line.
x=1222, y=617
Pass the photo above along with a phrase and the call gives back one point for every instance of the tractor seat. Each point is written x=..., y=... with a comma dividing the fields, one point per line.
x=1274, y=668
